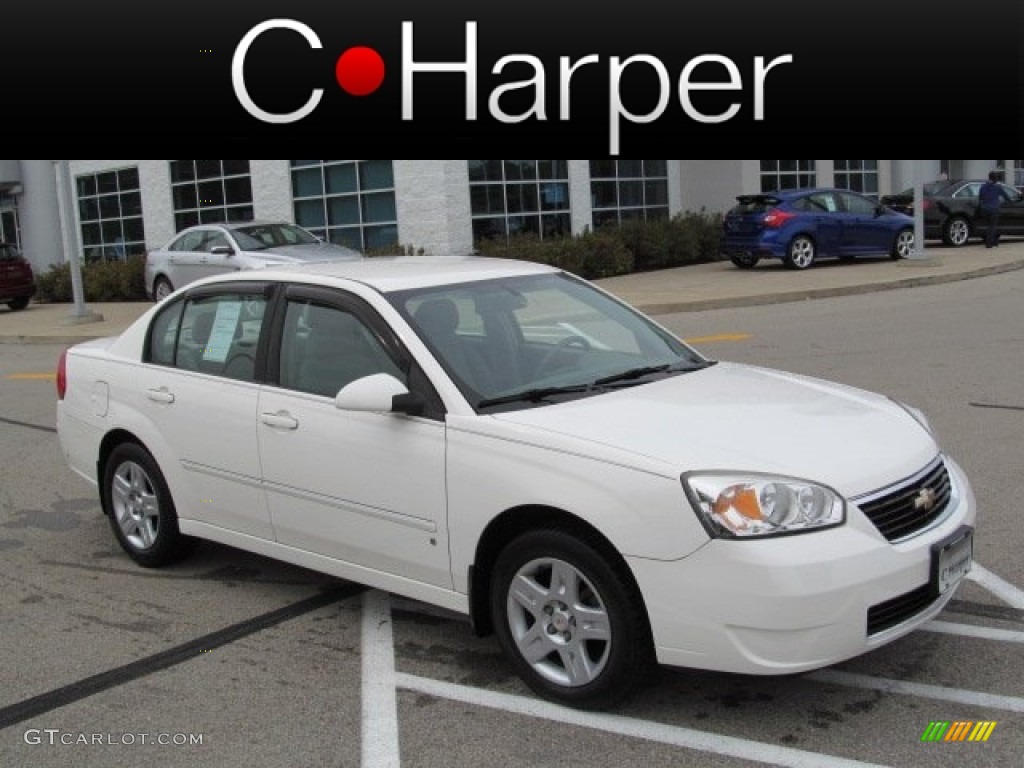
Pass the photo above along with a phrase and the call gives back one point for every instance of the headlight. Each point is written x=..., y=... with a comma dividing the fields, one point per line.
x=744, y=505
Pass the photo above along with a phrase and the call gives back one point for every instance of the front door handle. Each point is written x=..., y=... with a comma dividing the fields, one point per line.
x=280, y=420
x=161, y=395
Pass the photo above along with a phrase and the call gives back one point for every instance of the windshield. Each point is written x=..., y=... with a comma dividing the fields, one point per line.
x=532, y=340
x=257, y=237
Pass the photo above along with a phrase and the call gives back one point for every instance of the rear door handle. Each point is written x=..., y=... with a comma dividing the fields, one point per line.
x=161, y=395
x=280, y=420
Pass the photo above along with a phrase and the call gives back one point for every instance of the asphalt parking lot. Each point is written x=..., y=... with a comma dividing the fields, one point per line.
x=232, y=659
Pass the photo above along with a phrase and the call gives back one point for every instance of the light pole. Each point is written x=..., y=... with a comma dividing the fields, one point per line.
x=79, y=313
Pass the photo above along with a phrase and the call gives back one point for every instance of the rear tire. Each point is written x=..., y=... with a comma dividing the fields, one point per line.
x=572, y=623
x=141, y=510
x=745, y=260
x=19, y=303
x=801, y=252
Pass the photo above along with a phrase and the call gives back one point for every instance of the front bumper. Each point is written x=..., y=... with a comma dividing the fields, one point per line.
x=794, y=603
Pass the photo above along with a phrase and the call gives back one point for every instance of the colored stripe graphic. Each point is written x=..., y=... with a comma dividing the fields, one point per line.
x=958, y=730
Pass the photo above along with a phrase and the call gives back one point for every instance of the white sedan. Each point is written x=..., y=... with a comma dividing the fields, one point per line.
x=508, y=441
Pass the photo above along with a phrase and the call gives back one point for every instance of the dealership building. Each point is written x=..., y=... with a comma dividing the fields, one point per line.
x=112, y=209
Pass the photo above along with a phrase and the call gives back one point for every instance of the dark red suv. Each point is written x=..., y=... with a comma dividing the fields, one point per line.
x=17, y=281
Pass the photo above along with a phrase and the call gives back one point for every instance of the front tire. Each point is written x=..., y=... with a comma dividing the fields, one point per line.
x=956, y=231
x=162, y=288
x=801, y=252
x=18, y=304
x=903, y=245
x=141, y=510
x=571, y=622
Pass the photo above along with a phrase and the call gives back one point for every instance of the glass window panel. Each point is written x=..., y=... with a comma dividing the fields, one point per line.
x=91, y=234
x=604, y=194
x=343, y=211
x=111, y=232
x=307, y=182
x=656, y=193
x=183, y=170
x=379, y=207
x=553, y=169
x=239, y=213
x=522, y=198
x=88, y=209
x=554, y=195
x=655, y=168
x=376, y=174
x=110, y=207
x=630, y=168
x=489, y=228
x=212, y=215
x=236, y=167
x=185, y=219
x=340, y=179
x=556, y=224
x=238, y=190
x=208, y=169
x=185, y=196
x=347, y=236
x=131, y=204
x=128, y=179
x=631, y=193
x=484, y=170
x=310, y=213
x=602, y=169
x=106, y=183
x=299, y=163
x=524, y=225
x=86, y=185
x=134, y=230
x=211, y=193
x=382, y=236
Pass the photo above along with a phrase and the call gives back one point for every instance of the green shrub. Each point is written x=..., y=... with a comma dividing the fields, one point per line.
x=101, y=281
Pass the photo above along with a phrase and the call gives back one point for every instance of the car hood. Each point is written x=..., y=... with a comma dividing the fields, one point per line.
x=314, y=252
x=739, y=417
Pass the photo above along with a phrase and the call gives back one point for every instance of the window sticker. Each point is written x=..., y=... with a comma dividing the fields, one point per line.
x=223, y=331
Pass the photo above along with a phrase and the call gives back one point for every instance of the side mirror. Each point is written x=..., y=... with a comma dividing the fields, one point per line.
x=221, y=250
x=378, y=393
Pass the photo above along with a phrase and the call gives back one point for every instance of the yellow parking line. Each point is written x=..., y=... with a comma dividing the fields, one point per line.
x=27, y=376
x=718, y=337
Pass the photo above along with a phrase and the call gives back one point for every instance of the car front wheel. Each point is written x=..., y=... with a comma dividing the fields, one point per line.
x=19, y=303
x=162, y=288
x=573, y=624
x=956, y=231
x=801, y=252
x=903, y=245
x=140, y=508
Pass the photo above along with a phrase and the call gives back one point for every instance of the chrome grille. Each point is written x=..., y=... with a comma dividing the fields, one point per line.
x=903, y=510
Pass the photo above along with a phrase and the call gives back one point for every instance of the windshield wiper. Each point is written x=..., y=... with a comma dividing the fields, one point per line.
x=533, y=395
x=647, y=370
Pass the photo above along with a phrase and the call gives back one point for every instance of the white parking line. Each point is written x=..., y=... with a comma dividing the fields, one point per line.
x=970, y=630
x=624, y=726
x=1002, y=589
x=380, y=712
x=957, y=695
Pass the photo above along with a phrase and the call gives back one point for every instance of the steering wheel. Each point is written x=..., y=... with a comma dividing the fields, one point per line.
x=559, y=349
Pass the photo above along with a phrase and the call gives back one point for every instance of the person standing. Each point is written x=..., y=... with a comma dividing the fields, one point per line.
x=990, y=199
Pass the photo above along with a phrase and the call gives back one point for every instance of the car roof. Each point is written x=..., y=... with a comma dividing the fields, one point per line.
x=395, y=273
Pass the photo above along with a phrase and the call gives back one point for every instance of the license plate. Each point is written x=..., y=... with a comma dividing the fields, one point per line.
x=951, y=560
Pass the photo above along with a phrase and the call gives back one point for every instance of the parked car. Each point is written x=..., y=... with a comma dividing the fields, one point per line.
x=212, y=249
x=506, y=440
x=17, y=279
x=801, y=226
x=951, y=210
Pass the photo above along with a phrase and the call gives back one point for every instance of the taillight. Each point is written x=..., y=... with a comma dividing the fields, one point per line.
x=62, y=374
x=776, y=218
x=927, y=204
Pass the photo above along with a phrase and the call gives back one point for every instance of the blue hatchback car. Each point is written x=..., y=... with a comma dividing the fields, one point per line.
x=800, y=226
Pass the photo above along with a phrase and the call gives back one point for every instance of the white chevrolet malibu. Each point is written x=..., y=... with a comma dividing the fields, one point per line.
x=511, y=442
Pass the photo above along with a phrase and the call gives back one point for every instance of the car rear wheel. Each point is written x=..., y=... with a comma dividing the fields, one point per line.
x=573, y=625
x=140, y=508
x=162, y=288
x=801, y=252
x=903, y=245
x=19, y=303
x=744, y=260
x=956, y=231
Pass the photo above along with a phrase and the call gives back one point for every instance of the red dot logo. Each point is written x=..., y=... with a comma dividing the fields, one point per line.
x=359, y=71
